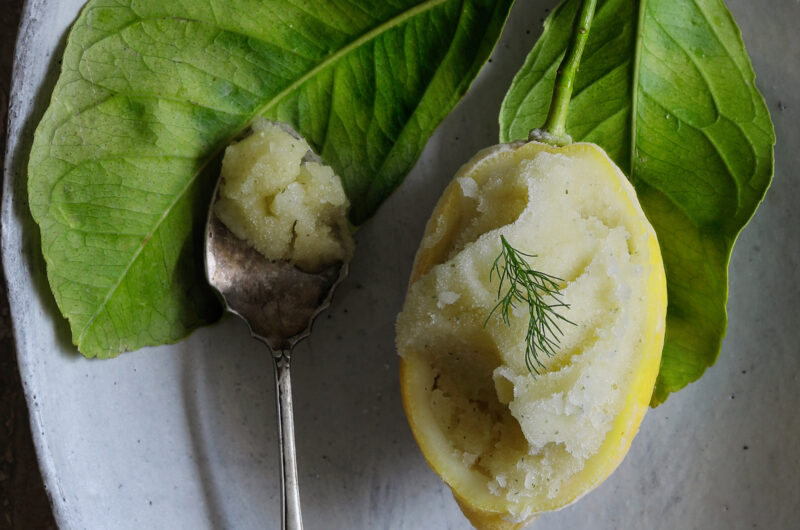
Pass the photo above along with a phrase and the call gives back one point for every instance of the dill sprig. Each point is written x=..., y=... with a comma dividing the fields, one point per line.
x=533, y=289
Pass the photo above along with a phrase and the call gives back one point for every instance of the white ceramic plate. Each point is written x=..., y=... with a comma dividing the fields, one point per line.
x=184, y=436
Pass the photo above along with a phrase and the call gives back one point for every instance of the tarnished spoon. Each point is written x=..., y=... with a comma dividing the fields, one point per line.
x=279, y=303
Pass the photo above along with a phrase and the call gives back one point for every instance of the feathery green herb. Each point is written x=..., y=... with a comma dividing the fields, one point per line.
x=532, y=288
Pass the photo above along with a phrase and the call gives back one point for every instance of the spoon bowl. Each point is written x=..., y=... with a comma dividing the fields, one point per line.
x=277, y=300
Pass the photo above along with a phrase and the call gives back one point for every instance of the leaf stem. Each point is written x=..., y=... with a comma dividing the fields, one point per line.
x=554, y=130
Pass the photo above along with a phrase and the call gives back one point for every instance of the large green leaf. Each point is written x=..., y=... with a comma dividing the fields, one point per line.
x=667, y=89
x=151, y=91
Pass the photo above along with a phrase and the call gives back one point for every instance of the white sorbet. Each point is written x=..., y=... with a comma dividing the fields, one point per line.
x=286, y=207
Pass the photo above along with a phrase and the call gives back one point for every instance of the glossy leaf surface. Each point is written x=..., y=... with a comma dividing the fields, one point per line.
x=667, y=89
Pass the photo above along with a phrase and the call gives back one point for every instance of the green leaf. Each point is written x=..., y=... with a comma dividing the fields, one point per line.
x=667, y=89
x=150, y=93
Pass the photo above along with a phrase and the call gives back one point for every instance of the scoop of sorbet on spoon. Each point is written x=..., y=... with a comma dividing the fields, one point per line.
x=277, y=244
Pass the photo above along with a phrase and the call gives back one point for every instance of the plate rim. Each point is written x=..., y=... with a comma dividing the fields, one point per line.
x=17, y=149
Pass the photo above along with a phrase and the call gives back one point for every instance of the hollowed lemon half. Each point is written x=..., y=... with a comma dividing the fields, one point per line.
x=509, y=443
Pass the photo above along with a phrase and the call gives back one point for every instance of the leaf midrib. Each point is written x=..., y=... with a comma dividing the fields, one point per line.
x=331, y=59
x=637, y=59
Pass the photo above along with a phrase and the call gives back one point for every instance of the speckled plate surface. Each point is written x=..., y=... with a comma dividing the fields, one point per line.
x=184, y=436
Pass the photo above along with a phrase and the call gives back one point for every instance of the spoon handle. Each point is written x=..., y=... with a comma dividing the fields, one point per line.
x=290, y=492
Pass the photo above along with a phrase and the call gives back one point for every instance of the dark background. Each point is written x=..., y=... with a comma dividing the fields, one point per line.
x=23, y=501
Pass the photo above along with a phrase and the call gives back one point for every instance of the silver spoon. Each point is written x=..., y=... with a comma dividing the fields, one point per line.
x=279, y=303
